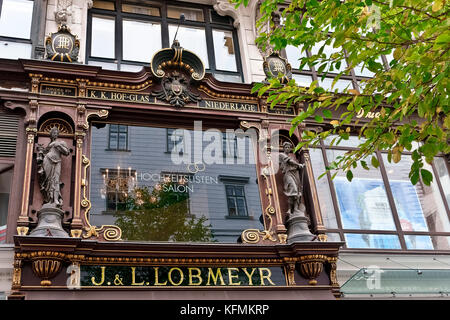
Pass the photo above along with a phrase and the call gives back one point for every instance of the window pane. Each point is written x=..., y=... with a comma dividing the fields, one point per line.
x=420, y=207
x=123, y=128
x=5, y=186
x=135, y=45
x=302, y=80
x=113, y=141
x=113, y=127
x=103, y=39
x=192, y=39
x=189, y=13
x=15, y=50
x=352, y=141
x=323, y=189
x=227, y=77
x=441, y=168
x=155, y=206
x=293, y=55
x=441, y=243
x=372, y=241
x=231, y=207
x=418, y=242
x=132, y=8
x=241, y=206
x=340, y=85
x=122, y=141
x=333, y=237
x=363, y=202
x=224, y=50
x=15, y=19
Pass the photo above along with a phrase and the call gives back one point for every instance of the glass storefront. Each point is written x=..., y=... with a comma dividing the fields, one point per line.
x=380, y=208
x=174, y=184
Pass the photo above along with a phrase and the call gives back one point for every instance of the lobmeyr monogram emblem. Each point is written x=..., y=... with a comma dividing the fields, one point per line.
x=175, y=90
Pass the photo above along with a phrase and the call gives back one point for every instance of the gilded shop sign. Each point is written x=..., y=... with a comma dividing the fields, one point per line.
x=174, y=276
x=228, y=105
x=120, y=96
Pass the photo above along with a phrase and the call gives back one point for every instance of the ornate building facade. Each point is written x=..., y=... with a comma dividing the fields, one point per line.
x=135, y=162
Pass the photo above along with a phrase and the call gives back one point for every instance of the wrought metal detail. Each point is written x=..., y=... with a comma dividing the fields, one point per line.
x=311, y=266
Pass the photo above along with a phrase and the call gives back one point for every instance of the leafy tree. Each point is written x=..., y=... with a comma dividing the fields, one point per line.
x=161, y=214
x=415, y=33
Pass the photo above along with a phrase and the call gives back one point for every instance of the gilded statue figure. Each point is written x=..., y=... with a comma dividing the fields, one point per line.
x=292, y=182
x=49, y=168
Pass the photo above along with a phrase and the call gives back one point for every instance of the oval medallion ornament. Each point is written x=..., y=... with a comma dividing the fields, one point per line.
x=62, y=45
x=277, y=67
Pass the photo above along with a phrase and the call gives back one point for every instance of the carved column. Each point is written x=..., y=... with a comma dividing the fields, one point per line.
x=77, y=224
x=23, y=221
x=290, y=270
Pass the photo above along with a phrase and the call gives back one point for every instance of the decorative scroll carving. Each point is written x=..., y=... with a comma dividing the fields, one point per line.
x=109, y=232
x=311, y=266
x=46, y=265
x=225, y=8
x=99, y=113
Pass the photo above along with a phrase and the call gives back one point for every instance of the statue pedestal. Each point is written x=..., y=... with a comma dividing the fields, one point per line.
x=297, y=228
x=49, y=223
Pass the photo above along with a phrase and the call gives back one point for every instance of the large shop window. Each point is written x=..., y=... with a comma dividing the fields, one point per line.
x=380, y=208
x=175, y=184
x=352, y=79
x=124, y=35
x=16, y=18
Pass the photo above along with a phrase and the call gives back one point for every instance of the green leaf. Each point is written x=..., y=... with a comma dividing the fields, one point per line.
x=319, y=119
x=374, y=162
x=327, y=113
x=427, y=177
x=349, y=175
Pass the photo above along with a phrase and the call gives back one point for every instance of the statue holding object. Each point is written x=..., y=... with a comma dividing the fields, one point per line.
x=296, y=219
x=49, y=177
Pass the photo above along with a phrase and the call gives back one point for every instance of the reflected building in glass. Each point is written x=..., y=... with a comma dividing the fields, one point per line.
x=172, y=178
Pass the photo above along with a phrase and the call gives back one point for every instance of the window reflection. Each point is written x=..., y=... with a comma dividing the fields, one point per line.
x=323, y=189
x=134, y=48
x=5, y=185
x=154, y=195
x=363, y=202
x=224, y=50
x=372, y=241
x=420, y=207
x=192, y=39
x=293, y=55
x=103, y=39
x=189, y=13
x=15, y=19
